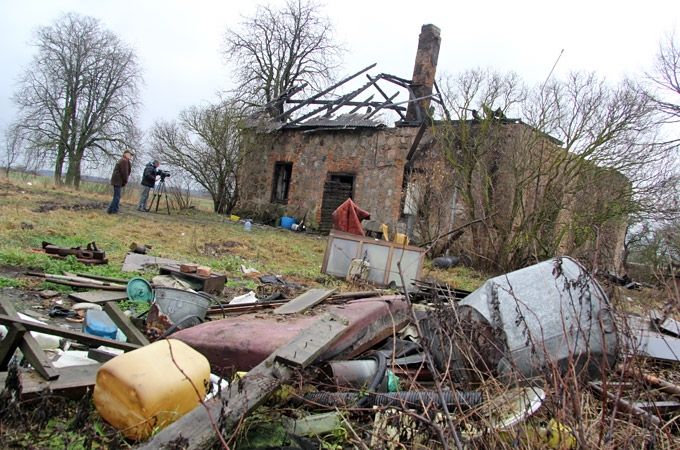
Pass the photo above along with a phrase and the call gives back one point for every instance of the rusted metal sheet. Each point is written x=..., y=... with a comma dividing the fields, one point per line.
x=91, y=255
x=240, y=343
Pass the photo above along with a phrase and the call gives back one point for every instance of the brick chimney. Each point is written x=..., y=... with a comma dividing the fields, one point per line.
x=424, y=69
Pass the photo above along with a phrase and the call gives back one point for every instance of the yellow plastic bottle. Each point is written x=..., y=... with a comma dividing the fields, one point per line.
x=143, y=391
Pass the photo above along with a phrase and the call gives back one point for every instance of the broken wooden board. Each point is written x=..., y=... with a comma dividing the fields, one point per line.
x=308, y=345
x=133, y=334
x=19, y=337
x=72, y=379
x=87, y=339
x=663, y=407
x=212, y=283
x=98, y=296
x=305, y=301
x=243, y=396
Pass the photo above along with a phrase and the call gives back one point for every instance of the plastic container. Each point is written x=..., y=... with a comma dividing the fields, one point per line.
x=400, y=239
x=248, y=225
x=287, y=222
x=143, y=391
x=99, y=324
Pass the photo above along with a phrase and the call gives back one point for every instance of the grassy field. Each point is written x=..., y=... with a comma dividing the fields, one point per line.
x=33, y=210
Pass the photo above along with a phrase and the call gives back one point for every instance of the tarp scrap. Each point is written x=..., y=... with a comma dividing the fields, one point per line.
x=348, y=216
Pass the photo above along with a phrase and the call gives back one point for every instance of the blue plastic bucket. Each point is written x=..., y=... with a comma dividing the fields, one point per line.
x=287, y=222
x=98, y=323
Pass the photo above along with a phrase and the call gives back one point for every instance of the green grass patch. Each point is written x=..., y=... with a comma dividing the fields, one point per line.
x=12, y=282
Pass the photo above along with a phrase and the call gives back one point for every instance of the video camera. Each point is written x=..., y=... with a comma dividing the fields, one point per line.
x=163, y=174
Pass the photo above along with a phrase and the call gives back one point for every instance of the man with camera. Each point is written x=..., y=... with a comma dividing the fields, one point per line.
x=151, y=171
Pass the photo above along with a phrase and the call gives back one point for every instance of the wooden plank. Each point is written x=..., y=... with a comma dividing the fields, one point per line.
x=212, y=284
x=306, y=346
x=243, y=396
x=101, y=278
x=98, y=296
x=28, y=345
x=86, y=285
x=100, y=355
x=83, y=338
x=660, y=407
x=122, y=321
x=288, y=112
x=624, y=405
x=305, y=301
x=9, y=344
x=70, y=378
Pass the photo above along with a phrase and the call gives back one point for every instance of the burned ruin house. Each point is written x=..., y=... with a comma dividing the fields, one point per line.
x=319, y=152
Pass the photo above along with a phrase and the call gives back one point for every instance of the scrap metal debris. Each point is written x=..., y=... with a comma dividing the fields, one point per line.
x=551, y=317
x=91, y=255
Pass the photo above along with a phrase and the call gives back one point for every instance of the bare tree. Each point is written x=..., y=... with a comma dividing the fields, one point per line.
x=276, y=49
x=79, y=96
x=579, y=163
x=205, y=143
x=13, y=147
x=665, y=80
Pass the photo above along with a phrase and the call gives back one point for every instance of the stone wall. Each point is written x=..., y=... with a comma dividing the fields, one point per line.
x=375, y=157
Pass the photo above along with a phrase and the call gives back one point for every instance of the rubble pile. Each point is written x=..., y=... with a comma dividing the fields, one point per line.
x=425, y=367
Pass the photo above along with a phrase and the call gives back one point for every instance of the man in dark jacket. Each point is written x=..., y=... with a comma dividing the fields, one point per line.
x=119, y=178
x=148, y=182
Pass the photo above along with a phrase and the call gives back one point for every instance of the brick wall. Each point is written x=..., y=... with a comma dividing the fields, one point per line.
x=375, y=157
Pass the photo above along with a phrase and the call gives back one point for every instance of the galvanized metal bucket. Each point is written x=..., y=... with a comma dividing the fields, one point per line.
x=179, y=304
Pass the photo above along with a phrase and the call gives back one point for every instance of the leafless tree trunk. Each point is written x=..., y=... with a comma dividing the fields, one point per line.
x=205, y=143
x=276, y=49
x=14, y=141
x=79, y=97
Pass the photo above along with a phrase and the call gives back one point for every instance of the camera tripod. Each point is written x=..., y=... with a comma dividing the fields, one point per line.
x=159, y=191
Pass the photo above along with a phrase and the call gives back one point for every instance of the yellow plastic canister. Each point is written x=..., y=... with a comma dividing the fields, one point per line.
x=142, y=391
x=400, y=239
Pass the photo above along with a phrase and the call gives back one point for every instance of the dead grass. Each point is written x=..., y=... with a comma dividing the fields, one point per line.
x=182, y=235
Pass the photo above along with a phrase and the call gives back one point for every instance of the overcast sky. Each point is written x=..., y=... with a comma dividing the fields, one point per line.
x=178, y=42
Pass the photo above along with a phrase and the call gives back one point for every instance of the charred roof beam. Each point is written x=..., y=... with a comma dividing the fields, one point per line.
x=388, y=99
x=287, y=114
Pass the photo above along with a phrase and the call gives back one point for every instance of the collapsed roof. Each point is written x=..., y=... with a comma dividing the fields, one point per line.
x=360, y=107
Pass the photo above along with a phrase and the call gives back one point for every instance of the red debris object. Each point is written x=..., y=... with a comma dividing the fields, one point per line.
x=242, y=342
x=348, y=216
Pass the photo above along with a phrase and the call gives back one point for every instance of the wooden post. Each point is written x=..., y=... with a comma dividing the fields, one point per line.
x=18, y=336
